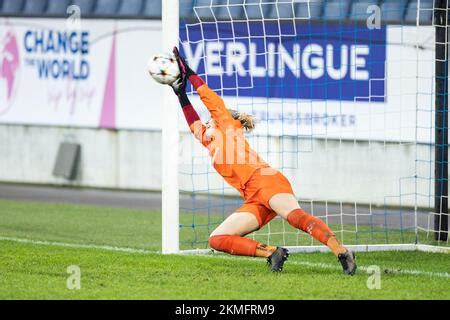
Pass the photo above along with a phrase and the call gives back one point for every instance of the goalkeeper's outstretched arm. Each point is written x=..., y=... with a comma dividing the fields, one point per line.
x=191, y=116
x=213, y=102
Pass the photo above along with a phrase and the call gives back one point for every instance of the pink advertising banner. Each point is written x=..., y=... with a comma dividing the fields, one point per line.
x=92, y=76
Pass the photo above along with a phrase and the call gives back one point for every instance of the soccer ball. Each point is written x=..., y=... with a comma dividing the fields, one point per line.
x=163, y=67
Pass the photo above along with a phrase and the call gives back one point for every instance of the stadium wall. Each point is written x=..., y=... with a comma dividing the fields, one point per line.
x=109, y=159
x=127, y=159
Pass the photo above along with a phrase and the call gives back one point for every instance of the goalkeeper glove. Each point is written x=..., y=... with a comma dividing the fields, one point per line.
x=186, y=73
x=184, y=67
x=179, y=85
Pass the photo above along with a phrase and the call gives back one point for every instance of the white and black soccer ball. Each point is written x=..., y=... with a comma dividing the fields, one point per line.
x=163, y=67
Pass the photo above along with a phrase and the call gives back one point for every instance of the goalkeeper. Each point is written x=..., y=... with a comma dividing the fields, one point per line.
x=267, y=192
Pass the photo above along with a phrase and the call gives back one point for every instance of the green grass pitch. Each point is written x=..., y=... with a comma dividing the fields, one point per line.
x=39, y=271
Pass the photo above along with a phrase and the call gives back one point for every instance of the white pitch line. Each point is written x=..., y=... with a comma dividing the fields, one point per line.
x=337, y=267
x=387, y=270
x=76, y=246
x=222, y=256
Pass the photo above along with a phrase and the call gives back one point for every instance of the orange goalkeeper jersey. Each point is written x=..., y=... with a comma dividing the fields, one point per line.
x=231, y=154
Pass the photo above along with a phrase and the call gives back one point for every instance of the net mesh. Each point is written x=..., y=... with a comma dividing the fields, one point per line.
x=344, y=94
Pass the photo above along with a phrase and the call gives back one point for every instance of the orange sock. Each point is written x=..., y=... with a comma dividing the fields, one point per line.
x=335, y=246
x=240, y=246
x=310, y=224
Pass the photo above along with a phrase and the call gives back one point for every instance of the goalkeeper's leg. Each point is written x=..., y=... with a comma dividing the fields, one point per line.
x=286, y=205
x=229, y=237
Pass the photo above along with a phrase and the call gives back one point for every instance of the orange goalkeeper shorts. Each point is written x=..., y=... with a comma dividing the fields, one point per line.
x=263, y=185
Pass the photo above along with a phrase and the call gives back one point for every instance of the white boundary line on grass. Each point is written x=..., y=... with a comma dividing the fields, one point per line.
x=222, y=256
x=76, y=246
x=355, y=248
x=363, y=268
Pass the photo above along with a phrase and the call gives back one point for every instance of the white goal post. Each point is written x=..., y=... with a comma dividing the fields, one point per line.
x=170, y=138
x=404, y=213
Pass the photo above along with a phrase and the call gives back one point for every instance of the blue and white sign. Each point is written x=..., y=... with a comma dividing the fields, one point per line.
x=282, y=60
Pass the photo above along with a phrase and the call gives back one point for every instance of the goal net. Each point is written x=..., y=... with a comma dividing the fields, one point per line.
x=346, y=95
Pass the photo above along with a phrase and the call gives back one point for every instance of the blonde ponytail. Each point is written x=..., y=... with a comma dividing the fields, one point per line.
x=247, y=120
